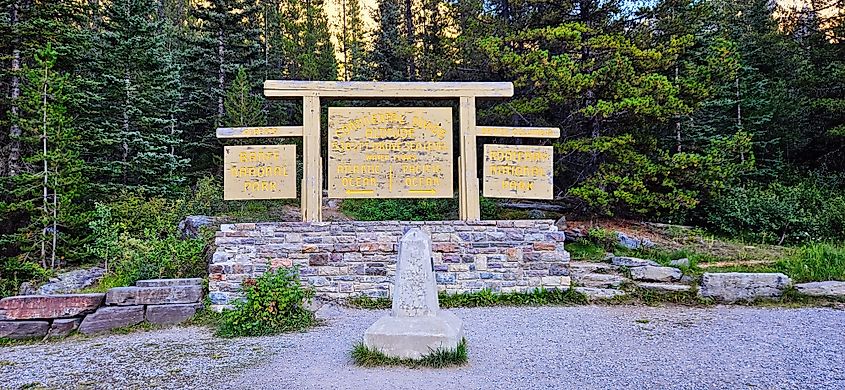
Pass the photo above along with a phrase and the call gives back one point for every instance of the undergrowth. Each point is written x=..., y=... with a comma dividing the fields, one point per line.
x=437, y=358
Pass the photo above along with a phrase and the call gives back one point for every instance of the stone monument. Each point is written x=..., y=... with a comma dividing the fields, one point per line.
x=416, y=326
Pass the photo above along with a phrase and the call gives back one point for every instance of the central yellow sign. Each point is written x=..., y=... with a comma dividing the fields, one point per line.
x=390, y=152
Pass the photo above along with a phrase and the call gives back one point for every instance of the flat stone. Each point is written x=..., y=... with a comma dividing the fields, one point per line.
x=585, y=267
x=830, y=288
x=414, y=337
x=651, y=273
x=25, y=307
x=169, y=282
x=127, y=296
x=63, y=327
x=738, y=286
x=18, y=330
x=624, y=261
x=171, y=314
x=599, y=280
x=594, y=293
x=684, y=262
x=108, y=318
x=664, y=287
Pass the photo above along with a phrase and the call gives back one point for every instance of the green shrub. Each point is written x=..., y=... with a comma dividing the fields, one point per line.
x=13, y=272
x=401, y=209
x=274, y=303
x=814, y=262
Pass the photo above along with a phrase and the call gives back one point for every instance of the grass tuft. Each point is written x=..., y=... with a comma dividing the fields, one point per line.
x=487, y=298
x=437, y=358
x=814, y=262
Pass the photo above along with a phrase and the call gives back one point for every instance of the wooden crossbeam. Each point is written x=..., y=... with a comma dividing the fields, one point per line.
x=259, y=132
x=369, y=89
x=521, y=132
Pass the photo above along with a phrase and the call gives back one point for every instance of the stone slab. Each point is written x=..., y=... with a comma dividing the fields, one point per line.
x=664, y=287
x=25, y=307
x=594, y=293
x=414, y=337
x=651, y=273
x=169, y=282
x=171, y=314
x=624, y=261
x=107, y=318
x=830, y=288
x=63, y=327
x=18, y=330
x=599, y=280
x=739, y=286
x=128, y=296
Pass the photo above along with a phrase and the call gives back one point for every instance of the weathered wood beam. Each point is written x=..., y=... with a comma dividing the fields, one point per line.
x=259, y=132
x=368, y=89
x=522, y=132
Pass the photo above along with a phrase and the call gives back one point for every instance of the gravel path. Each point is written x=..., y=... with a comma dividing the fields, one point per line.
x=587, y=347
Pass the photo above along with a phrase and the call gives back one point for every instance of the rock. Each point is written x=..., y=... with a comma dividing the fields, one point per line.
x=25, y=307
x=738, y=286
x=416, y=325
x=63, y=327
x=680, y=263
x=599, y=280
x=577, y=268
x=664, y=287
x=108, y=318
x=623, y=261
x=633, y=242
x=66, y=283
x=593, y=293
x=18, y=330
x=169, y=282
x=536, y=214
x=126, y=296
x=191, y=225
x=830, y=288
x=651, y=273
x=171, y=314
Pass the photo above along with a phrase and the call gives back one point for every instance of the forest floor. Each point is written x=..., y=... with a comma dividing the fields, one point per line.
x=580, y=347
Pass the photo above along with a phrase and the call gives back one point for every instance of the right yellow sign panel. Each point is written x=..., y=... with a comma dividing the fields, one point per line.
x=518, y=171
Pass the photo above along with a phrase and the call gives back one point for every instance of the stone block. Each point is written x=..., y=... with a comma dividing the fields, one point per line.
x=127, y=296
x=25, y=307
x=624, y=261
x=108, y=318
x=18, y=330
x=63, y=327
x=170, y=282
x=830, y=288
x=664, y=287
x=738, y=286
x=413, y=337
x=171, y=314
x=594, y=293
x=651, y=273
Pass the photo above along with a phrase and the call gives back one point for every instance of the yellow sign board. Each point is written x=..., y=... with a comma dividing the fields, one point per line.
x=390, y=152
x=518, y=171
x=259, y=172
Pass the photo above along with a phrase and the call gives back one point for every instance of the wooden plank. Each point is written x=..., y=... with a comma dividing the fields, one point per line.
x=259, y=132
x=370, y=89
x=521, y=132
x=390, y=152
x=259, y=172
x=470, y=193
x=312, y=188
x=518, y=171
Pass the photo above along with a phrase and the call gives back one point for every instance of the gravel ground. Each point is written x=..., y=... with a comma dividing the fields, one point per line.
x=586, y=347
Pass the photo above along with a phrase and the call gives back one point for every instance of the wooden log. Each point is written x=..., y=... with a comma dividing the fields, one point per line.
x=312, y=175
x=521, y=132
x=259, y=132
x=469, y=161
x=368, y=89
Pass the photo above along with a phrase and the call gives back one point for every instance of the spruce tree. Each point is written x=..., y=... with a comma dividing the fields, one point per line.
x=242, y=107
x=388, y=59
x=351, y=39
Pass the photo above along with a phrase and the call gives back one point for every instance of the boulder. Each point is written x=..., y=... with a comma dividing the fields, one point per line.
x=681, y=263
x=25, y=307
x=23, y=329
x=128, y=296
x=664, y=287
x=738, y=286
x=171, y=314
x=633, y=242
x=71, y=281
x=624, y=261
x=169, y=282
x=191, y=225
x=651, y=273
x=63, y=327
x=830, y=288
x=594, y=293
x=108, y=318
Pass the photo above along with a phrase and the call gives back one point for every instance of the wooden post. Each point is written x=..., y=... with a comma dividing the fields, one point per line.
x=312, y=178
x=468, y=162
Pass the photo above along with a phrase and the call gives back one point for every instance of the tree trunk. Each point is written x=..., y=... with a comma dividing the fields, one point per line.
x=55, y=219
x=45, y=209
x=344, y=41
x=409, y=35
x=220, y=76
x=15, y=130
x=678, y=119
x=125, y=144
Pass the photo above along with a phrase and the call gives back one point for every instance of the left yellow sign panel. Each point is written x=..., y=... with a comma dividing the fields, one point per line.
x=259, y=172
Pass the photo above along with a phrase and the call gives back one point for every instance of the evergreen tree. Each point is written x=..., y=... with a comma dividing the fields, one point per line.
x=242, y=107
x=351, y=39
x=316, y=54
x=388, y=57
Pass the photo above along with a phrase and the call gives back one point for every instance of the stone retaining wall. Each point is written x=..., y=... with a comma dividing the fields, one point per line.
x=347, y=259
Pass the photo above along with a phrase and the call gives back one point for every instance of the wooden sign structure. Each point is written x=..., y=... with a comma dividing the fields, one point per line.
x=390, y=152
x=312, y=183
x=518, y=171
x=259, y=172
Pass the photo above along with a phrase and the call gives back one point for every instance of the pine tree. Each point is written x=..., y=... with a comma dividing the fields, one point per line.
x=388, y=58
x=351, y=39
x=242, y=107
x=316, y=55
x=135, y=147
